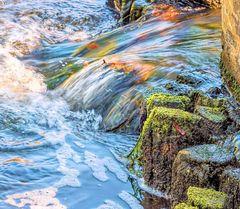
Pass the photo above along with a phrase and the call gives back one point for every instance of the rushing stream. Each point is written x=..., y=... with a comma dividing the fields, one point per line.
x=55, y=152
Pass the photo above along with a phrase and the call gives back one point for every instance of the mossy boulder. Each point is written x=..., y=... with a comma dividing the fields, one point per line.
x=206, y=198
x=198, y=98
x=165, y=132
x=199, y=166
x=230, y=80
x=212, y=114
x=230, y=184
x=184, y=206
x=167, y=100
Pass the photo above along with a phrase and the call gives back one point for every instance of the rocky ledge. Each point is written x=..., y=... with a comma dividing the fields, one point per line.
x=180, y=146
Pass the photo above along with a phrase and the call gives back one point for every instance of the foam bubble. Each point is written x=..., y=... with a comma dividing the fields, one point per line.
x=115, y=168
x=100, y=167
x=97, y=166
x=109, y=204
x=36, y=199
x=130, y=200
x=70, y=178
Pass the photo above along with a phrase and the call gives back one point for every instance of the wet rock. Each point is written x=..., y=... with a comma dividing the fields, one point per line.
x=199, y=3
x=154, y=202
x=167, y=100
x=230, y=184
x=200, y=99
x=206, y=198
x=199, y=166
x=129, y=10
x=184, y=206
x=215, y=115
x=189, y=79
x=165, y=132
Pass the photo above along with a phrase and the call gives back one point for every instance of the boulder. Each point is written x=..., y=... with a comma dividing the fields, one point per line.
x=165, y=132
x=167, y=100
x=230, y=184
x=199, y=166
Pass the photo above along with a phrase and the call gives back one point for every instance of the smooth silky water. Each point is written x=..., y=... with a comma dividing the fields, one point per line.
x=55, y=152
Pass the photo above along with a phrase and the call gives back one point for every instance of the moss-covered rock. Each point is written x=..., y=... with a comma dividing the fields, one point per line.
x=199, y=166
x=212, y=114
x=165, y=132
x=230, y=184
x=184, y=206
x=167, y=100
x=230, y=81
x=206, y=198
x=198, y=98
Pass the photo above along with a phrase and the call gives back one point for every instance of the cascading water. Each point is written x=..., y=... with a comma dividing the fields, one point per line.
x=54, y=152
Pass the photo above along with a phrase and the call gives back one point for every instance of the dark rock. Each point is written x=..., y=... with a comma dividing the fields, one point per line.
x=165, y=132
x=230, y=184
x=199, y=166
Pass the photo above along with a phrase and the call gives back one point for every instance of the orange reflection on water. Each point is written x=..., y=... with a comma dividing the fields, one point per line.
x=165, y=12
x=142, y=70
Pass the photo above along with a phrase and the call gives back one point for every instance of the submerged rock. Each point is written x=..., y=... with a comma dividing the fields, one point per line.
x=199, y=166
x=230, y=184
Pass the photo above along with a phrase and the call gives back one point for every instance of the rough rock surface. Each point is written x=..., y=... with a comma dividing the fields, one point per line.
x=199, y=3
x=166, y=131
x=199, y=166
x=230, y=184
x=231, y=45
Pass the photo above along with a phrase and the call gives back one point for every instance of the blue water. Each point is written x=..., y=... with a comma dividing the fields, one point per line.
x=54, y=150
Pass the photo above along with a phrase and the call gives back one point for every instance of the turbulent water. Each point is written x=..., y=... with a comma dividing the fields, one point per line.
x=54, y=152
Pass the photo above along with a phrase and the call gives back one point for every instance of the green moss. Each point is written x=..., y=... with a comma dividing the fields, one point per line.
x=184, y=206
x=167, y=100
x=161, y=121
x=230, y=81
x=199, y=99
x=206, y=198
x=215, y=115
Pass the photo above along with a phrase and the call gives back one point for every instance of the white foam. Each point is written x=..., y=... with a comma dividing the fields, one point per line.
x=70, y=178
x=97, y=166
x=100, y=167
x=115, y=168
x=17, y=78
x=109, y=204
x=130, y=200
x=36, y=199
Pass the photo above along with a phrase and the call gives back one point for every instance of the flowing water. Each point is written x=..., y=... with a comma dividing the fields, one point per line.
x=67, y=75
